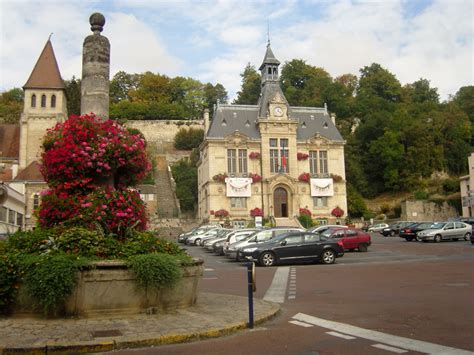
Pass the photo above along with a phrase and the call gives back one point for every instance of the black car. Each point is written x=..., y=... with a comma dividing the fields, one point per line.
x=395, y=228
x=290, y=247
x=409, y=232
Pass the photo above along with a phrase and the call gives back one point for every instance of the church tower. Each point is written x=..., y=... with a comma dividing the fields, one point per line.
x=44, y=105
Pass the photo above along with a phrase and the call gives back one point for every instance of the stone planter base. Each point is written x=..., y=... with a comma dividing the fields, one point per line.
x=110, y=289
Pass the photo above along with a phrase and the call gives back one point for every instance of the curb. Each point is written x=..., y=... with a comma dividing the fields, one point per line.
x=104, y=346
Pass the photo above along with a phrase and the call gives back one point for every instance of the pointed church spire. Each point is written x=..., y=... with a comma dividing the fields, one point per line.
x=45, y=74
x=269, y=57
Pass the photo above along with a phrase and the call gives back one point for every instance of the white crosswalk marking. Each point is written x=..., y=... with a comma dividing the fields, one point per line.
x=277, y=290
x=389, y=348
x=379, y=337
x=306, y=325
x=339, y=335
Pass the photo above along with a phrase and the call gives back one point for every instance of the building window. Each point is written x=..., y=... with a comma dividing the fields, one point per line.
x=19, y=219
x=11, y=217
x=320, y=202
x=323, y=161
x=231, y=161
x=279, y=154
x=43, y=100
x=53, y=101
x=238, y=202
x=232, y=166
x=243, y=161
x=33, y=100
x=3, y=214
x=35, y=201
x=313, y=162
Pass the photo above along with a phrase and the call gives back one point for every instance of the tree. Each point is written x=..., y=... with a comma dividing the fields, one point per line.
x=73, y=96
x=121, y=84
x=185, y=174
x=11, y=105
x=214, y=93
x=420, y=91
x=250, y=89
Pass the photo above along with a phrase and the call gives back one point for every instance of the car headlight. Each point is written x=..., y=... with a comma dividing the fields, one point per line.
x=249, y=250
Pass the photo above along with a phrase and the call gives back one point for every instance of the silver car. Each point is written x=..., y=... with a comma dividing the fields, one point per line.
x=445, y=230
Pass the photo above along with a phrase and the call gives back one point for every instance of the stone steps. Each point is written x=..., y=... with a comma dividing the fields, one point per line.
x=166, y=200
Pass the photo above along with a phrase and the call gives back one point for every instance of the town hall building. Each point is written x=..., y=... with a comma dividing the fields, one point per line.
x=270, y=157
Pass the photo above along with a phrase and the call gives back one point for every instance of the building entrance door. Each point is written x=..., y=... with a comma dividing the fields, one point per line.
x=280, y=202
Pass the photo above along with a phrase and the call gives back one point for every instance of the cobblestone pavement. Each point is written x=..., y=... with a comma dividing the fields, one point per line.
x=212, y=316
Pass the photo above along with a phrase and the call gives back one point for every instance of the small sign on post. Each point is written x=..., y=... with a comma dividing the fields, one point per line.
x=258, y=221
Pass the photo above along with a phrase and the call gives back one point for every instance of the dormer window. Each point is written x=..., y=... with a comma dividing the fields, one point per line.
x=53, y=101
x=43, y=100
x=33, y=100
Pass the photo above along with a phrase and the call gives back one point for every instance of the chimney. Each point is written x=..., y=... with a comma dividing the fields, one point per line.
x=206, y=120
x=333, y=118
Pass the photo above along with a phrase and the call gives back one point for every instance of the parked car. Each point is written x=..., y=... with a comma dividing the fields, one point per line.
x=446, y=230
x=198, y=230
x=291, y=247
x=377, y=227
x=218, y=246
x=394, y=228
x=258, y=237
x=323, y=228
x=222, y=234
x=196, y=239
x=351, y=238
x=411, y=231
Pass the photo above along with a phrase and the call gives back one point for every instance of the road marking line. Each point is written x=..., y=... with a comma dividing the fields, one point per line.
x=208, y=269
x=306, y=325
x=343, y=336
x=291, y=297
x=277, y=290
x=389, y=348
x=379, y=337
x=210, y=278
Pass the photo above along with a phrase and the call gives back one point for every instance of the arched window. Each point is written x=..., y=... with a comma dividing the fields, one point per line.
x=33, y=100
x=43, y=100
x=53, y=101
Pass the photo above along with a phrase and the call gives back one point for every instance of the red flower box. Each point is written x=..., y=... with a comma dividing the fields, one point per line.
x=256, y=212
x=255, y=177
x=305, y=211
x=337, y=212
x=254, y=155
x=221, y=213
x=219, y=177
x=304, y=177
x=302, y=156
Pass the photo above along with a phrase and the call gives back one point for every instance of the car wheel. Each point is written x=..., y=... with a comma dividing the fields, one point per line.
x=362, y=247
x=418, y=239
x=267, y=259
x=197, y=241
x=351, y=249
x=392, y=233
x=409, y=239
x=328, y=257
x=467, y=236
x=437, y=238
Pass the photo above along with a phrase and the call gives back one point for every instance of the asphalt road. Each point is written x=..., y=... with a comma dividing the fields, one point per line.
x=399, y=297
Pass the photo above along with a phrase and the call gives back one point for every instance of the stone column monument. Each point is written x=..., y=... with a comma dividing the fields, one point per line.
x=95, y=70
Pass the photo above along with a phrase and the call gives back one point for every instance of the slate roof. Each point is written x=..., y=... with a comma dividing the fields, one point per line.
x=269, y=57
x=243, y=118
x=30, y=173
x=45, y=74
x=9, y=141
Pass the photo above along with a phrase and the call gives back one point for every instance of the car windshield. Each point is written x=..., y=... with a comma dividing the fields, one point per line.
x=438, y=225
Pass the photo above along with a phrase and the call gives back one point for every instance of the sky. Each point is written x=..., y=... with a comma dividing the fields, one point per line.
x=213, y=41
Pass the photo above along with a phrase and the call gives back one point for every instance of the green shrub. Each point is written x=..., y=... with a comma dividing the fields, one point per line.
x=450, y=186
x=33, y=241
x=421, y=195
x=384, y=208
x=305, y=220
x=50, y=279
x=187, y=139
x=80, y=241
x=155, y=270
x=9, y=280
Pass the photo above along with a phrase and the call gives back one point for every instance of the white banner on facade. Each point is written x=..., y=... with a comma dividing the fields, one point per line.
x=322, y=187
x=238, y=187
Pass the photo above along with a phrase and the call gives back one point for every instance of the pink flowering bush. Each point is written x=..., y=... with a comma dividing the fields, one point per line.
x=302, y=156
x=305, y=211
x=89, y=165
x=83, y=152
x=222, y=213
x=255, y=177
x=304, y=177
x=256, y=212
x=337, y=212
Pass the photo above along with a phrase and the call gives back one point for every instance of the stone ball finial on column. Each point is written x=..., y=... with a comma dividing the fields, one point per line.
x=97, y=21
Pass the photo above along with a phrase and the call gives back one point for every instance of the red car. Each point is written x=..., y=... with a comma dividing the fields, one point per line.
x=351, y=238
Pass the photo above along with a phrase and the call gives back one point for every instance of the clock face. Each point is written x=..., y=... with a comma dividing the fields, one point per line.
x=278, y=111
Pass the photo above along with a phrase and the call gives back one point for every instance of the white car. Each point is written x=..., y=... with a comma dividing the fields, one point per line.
x=197, y=239
x=445, y=230
x=377, y=227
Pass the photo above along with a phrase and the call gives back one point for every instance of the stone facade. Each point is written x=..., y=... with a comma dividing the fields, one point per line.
x=293, y=150
x=420, y=211
x=467, y=189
